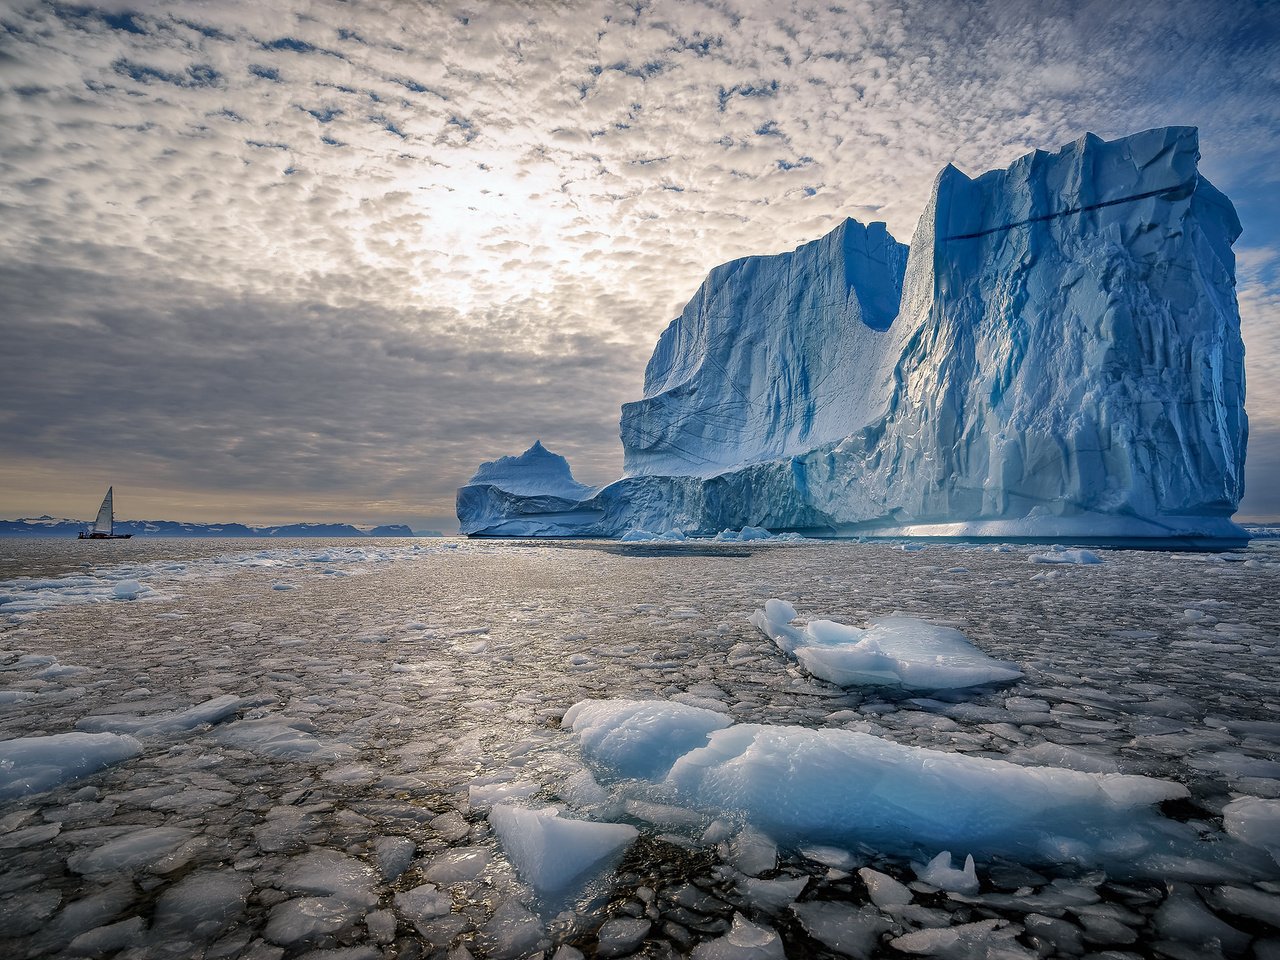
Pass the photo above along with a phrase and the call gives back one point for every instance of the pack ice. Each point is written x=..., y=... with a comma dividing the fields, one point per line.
x=1057, y=355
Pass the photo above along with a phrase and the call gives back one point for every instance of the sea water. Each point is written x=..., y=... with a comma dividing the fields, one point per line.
x=240, y=748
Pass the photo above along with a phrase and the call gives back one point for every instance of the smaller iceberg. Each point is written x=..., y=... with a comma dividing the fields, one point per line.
x=893, y=651
x=535, y=473
x=532, y=495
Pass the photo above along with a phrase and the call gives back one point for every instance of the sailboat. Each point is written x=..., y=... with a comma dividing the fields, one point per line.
x=103, y=528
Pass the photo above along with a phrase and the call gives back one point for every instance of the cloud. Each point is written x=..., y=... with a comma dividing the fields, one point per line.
x=532, y=186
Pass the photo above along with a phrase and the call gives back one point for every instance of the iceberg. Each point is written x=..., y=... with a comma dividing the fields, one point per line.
x=531, y=495
x=1057, y=355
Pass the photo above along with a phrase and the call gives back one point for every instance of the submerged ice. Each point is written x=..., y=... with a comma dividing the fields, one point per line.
x=1057, y=355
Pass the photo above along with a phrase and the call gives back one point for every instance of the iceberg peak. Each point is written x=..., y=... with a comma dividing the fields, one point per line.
x=535, y=472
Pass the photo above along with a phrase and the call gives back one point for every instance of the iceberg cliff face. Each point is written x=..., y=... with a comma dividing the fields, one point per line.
x=1058, y=355
x=773, y=357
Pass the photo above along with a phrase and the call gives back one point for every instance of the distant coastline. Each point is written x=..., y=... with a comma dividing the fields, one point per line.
x=55, y=527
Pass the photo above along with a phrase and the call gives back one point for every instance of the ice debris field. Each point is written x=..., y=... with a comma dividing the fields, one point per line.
x=741, y=749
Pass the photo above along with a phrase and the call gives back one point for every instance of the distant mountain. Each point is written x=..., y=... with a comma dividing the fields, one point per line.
x=53, y=527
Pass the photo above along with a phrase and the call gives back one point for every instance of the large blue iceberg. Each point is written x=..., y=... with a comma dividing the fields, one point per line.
x=1057, y=355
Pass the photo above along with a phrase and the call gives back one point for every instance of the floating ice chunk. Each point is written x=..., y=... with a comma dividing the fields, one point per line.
x=209, y=712
x=103, y=940
x=640, y=738
x=511, y=932
x=883, y=889
x=330, y=873
x=621, y=935
x=779, y=611
x=1183, y=918
x=424, y=903
x=394, y=854
x=747, y=534
x=283, y=739
x=552, y=853
x=823, y=632
x=896, y=651
x=1248, y=902
x=341, y=889
x=752, y=853
x=128, y=589
x=463, y=863
x=648, y=536
x=664, y=815
x=20, y=839
x=835, y=857
x=840, y=786
x=132, y=851
x=780, y=630
x=1256, y=822
x=849, y=930
x=772, y=896
x=744, y=941
x=201, y=904
x=35, y=764
x=57, y=671
x=967, y=941
x=940, y=873
x=581, y=790
x=308, y=918
x=1063, y=555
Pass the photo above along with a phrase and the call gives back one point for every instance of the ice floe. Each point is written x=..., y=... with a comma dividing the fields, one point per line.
x=892, y=651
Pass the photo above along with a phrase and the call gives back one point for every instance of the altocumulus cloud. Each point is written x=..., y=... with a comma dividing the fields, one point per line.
x=325, y=256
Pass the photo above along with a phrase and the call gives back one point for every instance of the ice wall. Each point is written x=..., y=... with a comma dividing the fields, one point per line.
x=772, y=357
x=1070, y=356
x=1058, y=357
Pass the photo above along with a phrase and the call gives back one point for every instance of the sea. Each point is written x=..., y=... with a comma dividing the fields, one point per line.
x=296, y=748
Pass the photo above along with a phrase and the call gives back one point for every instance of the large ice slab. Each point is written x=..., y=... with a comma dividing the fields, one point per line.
x=838, y=786
x=1057, y=357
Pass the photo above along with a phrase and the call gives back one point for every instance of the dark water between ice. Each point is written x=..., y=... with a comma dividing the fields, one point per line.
x=388, y=689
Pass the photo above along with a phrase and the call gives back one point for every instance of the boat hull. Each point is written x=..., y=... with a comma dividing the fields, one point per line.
x=104, y=536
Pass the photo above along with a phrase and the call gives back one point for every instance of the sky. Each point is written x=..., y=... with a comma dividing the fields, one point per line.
x=315, y=260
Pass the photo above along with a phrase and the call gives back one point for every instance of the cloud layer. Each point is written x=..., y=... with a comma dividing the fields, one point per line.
x=318, y=259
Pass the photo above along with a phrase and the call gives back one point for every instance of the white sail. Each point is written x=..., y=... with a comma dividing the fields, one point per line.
x=105, y=522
